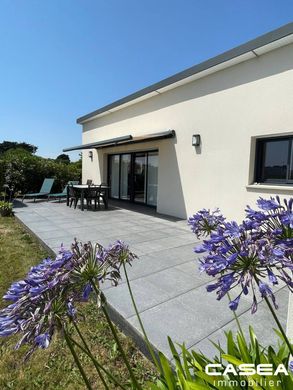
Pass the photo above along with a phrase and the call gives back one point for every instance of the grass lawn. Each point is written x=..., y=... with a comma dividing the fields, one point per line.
x=54, y=368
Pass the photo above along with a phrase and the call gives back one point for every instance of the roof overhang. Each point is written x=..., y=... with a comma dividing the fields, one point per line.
x=254, y=48
x=125, y=140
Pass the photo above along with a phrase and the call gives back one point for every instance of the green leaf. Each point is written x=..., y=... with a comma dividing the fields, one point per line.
x=196, y=386
x=169, y=375
x=217, y=383
x=257, y=378
x=176, y=356
x=230, y=343
x=243, y=349
x=185, y=356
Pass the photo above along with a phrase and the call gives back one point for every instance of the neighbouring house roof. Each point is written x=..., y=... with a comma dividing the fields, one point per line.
x=125, y=140
x=254, y=48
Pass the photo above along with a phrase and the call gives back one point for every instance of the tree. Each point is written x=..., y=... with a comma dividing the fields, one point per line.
x=8, y=145
x=64, y=158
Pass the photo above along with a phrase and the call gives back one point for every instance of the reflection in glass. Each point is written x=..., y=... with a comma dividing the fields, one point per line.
x=125, y=176
x=139, y=177
x=291, y=165
x=152, y=185
x=114, y=176
x=276, y=160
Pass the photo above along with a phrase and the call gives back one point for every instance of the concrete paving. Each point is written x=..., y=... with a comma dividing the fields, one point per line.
x=168, y=288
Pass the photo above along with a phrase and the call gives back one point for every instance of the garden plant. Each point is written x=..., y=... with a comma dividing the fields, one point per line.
x=252, y=257
x=6, y=209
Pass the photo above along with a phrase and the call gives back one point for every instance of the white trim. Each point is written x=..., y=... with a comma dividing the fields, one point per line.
x=262, y=187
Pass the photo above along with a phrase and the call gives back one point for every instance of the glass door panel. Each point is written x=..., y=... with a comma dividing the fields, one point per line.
x=152, y=181
x=290, y=169
x=125, y=176
x=114, y=176
x=139, y=177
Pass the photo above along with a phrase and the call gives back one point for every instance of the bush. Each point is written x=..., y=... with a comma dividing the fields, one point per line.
x=26, y=172
x=5, y=209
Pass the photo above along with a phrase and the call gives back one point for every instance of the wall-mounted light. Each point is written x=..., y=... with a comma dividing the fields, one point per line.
x=91, y=155
x=196, y=140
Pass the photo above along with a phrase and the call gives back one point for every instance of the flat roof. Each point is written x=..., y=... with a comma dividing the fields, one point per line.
x=254, y=48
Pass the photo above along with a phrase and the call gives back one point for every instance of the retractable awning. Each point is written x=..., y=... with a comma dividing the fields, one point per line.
x=125, y=140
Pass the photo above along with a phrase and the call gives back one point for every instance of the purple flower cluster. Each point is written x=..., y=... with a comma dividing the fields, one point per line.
x=254, y=255
x=46, y=298
x=204, y=222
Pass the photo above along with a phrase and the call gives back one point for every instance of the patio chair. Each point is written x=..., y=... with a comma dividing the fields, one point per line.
x=103, y=195
x=63, y=194
x=44, y=191
x=96, y=194
x=74, y=195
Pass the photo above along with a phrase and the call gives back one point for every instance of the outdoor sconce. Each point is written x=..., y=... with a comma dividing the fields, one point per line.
x=196, y=140
x=91, y=155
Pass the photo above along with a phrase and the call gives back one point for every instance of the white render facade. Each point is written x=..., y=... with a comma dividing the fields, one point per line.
x=230, y=109
x=231, y=105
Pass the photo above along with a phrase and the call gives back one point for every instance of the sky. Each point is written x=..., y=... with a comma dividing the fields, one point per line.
x=61, y=59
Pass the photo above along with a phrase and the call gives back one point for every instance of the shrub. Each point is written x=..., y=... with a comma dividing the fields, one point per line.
x=5, y=209
x=26, y=172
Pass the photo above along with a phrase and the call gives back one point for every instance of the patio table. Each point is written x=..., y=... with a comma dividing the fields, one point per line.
x=83, y=187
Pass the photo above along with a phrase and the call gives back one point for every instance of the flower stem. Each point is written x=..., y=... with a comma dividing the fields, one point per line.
x=90, y=355
x=76, y=359
x=111, y=377
x=133, y=379
x=277, y=321
x=236, y=318
x=279, y=326
x=150, y=349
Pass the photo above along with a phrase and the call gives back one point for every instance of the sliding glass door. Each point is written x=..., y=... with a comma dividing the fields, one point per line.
x=152, y=178
x=140, y=161
x=114, y=168
x=134, y=177
x=125, y=179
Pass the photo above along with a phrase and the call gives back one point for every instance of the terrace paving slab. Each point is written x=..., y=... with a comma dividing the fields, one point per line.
x=169, y=290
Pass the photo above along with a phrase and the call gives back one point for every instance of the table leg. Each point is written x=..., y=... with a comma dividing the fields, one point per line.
x=106, y=198
x=82, y=199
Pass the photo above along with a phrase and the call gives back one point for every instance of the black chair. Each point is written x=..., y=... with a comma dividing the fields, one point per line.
x=103, y=195
x=91, y=194
x=74, y=196
x=96, y=194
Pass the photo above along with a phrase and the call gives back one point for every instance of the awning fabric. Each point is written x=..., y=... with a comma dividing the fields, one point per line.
x=125, y=140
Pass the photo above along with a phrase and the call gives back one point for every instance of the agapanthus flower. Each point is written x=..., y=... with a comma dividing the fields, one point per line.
x=246, y=255
x=47, y=297
x=275, y=217
x=205, y=221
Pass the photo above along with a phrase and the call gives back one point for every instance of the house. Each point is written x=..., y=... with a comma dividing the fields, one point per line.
x=219, y=134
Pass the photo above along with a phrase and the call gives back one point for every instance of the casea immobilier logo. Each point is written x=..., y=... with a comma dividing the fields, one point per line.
x=248, y=370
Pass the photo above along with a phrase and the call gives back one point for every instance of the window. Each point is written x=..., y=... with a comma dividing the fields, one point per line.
x=274, y=160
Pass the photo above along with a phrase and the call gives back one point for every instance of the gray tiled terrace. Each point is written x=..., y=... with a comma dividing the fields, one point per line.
x=169, y=291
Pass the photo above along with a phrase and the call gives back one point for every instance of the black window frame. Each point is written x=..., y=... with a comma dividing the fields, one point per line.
x=260, y=159
x=132, y=154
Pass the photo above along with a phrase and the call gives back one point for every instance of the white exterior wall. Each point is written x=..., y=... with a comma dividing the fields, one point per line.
x=228, y=109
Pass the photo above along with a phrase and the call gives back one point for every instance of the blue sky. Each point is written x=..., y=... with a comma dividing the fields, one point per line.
x=61, y=59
